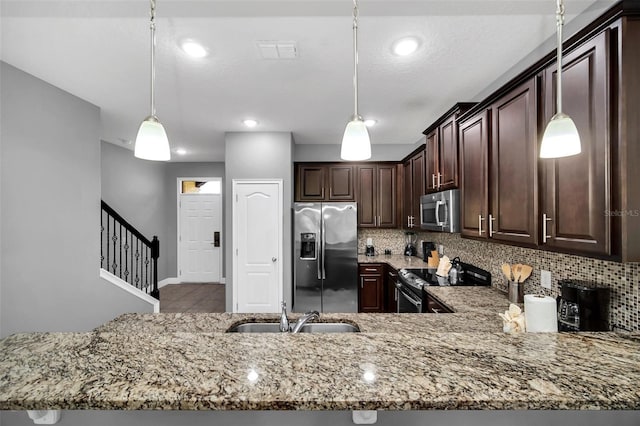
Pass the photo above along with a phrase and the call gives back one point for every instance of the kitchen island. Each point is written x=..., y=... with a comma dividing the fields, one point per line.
x=398, y=362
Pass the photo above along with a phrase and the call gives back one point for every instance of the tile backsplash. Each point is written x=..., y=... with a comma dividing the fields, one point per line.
x=622, y=278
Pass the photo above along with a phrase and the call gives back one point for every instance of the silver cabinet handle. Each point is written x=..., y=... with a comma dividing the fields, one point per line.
x=545, y=219
x=433, y=180
x=396, y=296
x=361, y=282
x=370, y=270
x=439, y=182
x=491, y=219
x=435, y=310
x=480, y=219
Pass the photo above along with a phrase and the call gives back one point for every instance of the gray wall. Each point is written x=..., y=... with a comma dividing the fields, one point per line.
x=172, y=173
x=135, y=188
x=332, y=152
x=336, y=418
x=50, y=195
x=260, y=155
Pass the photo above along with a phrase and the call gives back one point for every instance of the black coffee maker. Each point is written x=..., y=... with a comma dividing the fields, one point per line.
x=583, y=306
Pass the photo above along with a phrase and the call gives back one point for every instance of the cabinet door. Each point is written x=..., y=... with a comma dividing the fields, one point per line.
x=407, y=194
x=448, y=165
x=387, y=191
x=418, y=186
x=391, y=293
x=576, y=189
x=431, y=162
x=367, y=215
x=310, y=182
x=514, y=157
x=340, y=183
x=371, y=293
x=473, y=176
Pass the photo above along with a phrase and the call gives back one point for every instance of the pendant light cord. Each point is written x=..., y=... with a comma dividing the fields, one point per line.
x=153, y=56
x=560, y=23
x=355, y=59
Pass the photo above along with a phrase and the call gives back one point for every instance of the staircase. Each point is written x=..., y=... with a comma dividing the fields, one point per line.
x=127, y=254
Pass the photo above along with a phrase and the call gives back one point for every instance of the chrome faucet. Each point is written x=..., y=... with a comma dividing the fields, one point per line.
x=304, y=319
x=284, y=321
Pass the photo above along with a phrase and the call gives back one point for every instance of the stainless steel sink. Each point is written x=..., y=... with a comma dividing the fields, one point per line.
x=314, y=327
x=329, y=327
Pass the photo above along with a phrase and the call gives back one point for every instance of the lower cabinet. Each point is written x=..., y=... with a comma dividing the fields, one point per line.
x=435, y=307
x=371, y=287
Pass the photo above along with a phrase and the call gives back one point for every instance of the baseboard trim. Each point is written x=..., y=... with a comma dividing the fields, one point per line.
x=118, y=282
x=170, y=280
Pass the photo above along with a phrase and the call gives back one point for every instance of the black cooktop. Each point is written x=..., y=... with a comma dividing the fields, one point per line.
x=471, y=276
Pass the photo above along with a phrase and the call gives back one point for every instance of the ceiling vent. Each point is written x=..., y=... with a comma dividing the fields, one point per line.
x=278, y=49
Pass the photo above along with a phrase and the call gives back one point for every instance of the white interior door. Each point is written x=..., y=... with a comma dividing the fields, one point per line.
x=257, y=245
x=200, y=220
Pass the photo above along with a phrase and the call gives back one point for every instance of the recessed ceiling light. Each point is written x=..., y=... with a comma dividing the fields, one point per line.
x=181, y=151
x=250, y=123
x=193, y=49
x=405, y=46
x=370, y=122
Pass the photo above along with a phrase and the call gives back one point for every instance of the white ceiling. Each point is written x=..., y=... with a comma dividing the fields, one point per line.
x=99, y=50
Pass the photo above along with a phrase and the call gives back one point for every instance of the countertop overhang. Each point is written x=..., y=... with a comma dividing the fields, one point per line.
x=399, y=362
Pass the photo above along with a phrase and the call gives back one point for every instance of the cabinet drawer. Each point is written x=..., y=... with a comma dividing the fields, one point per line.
x=370, y=269
x=435, y=307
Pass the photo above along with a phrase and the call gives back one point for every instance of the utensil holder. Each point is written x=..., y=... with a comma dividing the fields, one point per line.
x=516, y=292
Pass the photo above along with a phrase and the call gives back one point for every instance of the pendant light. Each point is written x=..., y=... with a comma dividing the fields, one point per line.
x=561, y=138
x=356, y=144
x=152, y=142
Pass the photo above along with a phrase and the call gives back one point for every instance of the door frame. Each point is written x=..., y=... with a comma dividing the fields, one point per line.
x=179, y=181
x=234, y=239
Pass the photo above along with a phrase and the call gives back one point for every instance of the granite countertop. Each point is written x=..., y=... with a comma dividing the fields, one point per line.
x=398, y=362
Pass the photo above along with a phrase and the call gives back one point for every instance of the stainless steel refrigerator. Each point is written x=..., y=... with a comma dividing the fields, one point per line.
x=325, y=262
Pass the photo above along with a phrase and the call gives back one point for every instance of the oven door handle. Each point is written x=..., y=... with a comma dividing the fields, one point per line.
x=414, y=302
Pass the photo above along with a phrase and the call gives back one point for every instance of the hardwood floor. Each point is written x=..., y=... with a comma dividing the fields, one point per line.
x=192, y=297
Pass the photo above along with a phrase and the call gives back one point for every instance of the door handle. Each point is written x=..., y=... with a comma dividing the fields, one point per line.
x=545, y=219
x=274, y=259
x=433, y=180
x=480, y=219
x=439, y=183
x=491, y=219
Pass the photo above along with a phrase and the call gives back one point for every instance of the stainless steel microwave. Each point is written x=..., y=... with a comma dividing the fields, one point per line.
x=440, y=211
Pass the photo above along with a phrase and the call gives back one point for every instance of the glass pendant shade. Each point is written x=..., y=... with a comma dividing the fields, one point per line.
x=152, y=142
x=356, y=144
x=561, y=138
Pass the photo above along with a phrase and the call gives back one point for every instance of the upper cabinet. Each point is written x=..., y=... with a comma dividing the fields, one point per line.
x=413, y=187
x=441, y=150
x=586, y=204
x=474, y=171
x=576, y=190
x=377, y=191
x=513, y=177
x=324, y=182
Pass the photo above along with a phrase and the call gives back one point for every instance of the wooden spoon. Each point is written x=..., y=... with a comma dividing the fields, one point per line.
x=517, y=271
x=506, y=270
x=525, y=272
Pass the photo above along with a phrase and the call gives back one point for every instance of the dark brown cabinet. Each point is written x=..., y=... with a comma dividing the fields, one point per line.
x=324, y=182
x=377, y=190
x=371, y=287
x=413, y=187
x=391, y=292
x=441, y=153
x=474, y=169
x=513, y=177
x=499, y=169
x=576, y=190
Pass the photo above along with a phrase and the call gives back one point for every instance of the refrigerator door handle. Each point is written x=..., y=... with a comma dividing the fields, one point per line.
x=323, y=243
x=319, y=260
